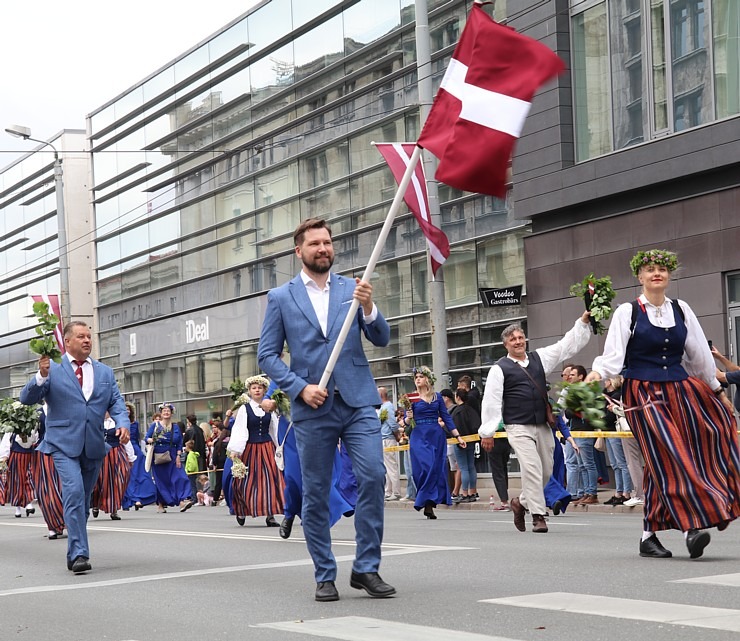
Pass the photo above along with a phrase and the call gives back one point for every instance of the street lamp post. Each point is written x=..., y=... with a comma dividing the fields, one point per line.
x=25, y=133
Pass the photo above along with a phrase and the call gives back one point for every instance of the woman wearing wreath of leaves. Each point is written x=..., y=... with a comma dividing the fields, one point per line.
x=17, y=454
x=676, y=408
x=428, y=444
x=173, y=487
x=258, y=489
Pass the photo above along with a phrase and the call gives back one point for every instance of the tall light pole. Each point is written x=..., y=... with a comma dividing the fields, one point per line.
x=25, y=133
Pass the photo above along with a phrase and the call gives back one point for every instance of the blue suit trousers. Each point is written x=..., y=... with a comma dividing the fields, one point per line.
x=317, y=439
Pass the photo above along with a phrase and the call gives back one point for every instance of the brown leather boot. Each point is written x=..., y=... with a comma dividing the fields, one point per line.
x=518, y=510
x=589, y=499
x=538, y=523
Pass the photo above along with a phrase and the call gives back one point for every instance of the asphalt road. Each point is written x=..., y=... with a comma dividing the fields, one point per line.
x=468, y=576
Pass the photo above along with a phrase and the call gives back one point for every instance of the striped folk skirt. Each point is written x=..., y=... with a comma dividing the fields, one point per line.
x=49, y=492
x=260, y=492
x=112, y=481
x=19, y=490
x=689, y=442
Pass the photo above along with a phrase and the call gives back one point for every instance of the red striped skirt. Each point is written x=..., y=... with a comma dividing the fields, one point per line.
x=112, y=481
x=689, y=442
x=3, y=485
x=260, y=492
x=49, y=492
x=19, y=490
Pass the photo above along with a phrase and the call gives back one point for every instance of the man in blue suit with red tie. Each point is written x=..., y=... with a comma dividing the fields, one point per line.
x=78, y=392
x=308, y=313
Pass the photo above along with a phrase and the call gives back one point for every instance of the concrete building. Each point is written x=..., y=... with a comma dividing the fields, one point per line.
x=639, y=146
x=29, y=247
x=203, y=170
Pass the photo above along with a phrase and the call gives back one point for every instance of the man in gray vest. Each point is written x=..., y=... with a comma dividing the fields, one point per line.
x=516, y=393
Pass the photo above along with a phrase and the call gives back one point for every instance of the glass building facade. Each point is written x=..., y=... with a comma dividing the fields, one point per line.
x=203, y=170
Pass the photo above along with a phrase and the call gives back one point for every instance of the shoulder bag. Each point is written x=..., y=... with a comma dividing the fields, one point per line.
x=549, y=415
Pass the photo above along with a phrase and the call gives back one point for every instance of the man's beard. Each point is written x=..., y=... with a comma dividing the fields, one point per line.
x=319, y=268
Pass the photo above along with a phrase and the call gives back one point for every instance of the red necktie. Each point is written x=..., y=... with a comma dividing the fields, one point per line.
x=78, y=371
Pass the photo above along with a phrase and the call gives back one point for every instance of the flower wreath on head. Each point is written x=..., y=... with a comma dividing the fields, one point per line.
x=168, y=405
x=256, y=380
x=425, y=371
x=662, y=257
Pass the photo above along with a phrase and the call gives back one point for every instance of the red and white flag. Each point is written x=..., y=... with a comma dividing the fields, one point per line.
x=397, y=155
x=52, y=300
x=480, y=108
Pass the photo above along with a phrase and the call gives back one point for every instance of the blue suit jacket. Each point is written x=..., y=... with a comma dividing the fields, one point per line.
x=290, y=317
x=72, y=423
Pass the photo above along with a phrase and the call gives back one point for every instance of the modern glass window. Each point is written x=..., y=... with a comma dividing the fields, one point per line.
x=643, y=69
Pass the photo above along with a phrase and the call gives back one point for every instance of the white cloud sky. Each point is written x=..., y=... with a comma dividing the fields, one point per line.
x=62, y=60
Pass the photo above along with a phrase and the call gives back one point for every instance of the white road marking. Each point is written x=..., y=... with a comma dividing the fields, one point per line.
x=396, y=550
x=659, y=612
x=732, y=580
x=369, y=629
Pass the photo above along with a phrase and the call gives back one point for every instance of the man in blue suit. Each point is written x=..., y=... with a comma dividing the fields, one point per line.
x=78, y=392
x=308, y=313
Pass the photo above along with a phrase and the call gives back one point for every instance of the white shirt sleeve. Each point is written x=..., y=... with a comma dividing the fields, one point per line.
x=492, y=404
x=697, y=358
x=370, y=318
x=239, y=432
x=274, y=428
x=5, y=446
x=129, y=449
x=575, y=339
x=611, y=362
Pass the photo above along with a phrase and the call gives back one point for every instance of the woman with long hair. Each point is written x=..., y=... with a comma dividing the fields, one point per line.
x=173, y=487
x=428, y=444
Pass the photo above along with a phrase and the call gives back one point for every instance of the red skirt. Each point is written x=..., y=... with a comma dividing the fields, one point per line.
x=260, y=492
x=19, y=490
x=689, y=442
x=112, y=481
x=49, y=492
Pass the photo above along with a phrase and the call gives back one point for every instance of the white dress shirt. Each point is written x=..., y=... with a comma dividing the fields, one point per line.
x=88, y=375
x=240, y=432
x=697, y=358
x=320, y=301
x=493, y=396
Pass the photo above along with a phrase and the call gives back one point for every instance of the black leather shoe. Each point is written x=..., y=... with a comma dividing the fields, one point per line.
x=30, y=510
x=271, y=522
x=286, y=527
x=326, y=591
x=95, y=512
x=114, y=517
x=696, y=541
x=652, y=548
x=557, y=507
x=372, y=584
x=79, y=565
x=241, y=520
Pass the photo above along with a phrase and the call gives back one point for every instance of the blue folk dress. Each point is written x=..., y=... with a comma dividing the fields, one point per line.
x=171, y=481
x=140, y=486
x=428, y=448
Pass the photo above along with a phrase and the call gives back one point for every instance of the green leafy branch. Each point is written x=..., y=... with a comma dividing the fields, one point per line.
x=46, y=344
x=587, y=401
x=597, y=302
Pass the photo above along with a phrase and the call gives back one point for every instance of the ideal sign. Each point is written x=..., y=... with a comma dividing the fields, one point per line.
x=196, y=333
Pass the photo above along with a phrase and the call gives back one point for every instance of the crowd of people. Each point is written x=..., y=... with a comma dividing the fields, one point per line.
x=295, y=447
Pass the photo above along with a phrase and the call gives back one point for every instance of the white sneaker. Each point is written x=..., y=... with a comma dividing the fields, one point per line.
x=633, y=501
x=394, y=497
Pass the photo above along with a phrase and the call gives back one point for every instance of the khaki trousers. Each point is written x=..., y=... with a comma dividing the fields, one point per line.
x=534, y=446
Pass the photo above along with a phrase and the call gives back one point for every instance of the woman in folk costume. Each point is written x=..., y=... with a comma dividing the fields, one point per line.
x=17, y=451
x=259, y=492
x=48, y=487
x=140, y=490
x=173, y=487
x=114, y=475
x=676, y=409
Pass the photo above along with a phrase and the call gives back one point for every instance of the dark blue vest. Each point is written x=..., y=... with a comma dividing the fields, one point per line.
x=524, y=402
x=655, y=353
x=259, y=426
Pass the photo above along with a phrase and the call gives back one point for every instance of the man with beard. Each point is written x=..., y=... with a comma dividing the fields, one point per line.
x=308, y=313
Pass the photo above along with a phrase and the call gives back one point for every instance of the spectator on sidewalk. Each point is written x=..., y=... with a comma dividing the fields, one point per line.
x=391, y=433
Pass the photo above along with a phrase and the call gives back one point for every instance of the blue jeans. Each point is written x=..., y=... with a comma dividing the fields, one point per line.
x=410, y=485
x=466, y=462
x=77, y=476
x=316, y=440
x=587, y=465
x=572, y=475
x=622, y=479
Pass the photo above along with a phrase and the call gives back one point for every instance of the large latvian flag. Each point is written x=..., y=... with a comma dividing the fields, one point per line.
x=52, y=300
x=398, y=155
x=480, y=108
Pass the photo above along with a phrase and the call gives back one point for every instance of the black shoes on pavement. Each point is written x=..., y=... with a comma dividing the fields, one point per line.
x=696, y=541
x=79, y=565
x=652, y=548
x=326, y=591
x=286, y=527
x=271, y=522
x=372, y=584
